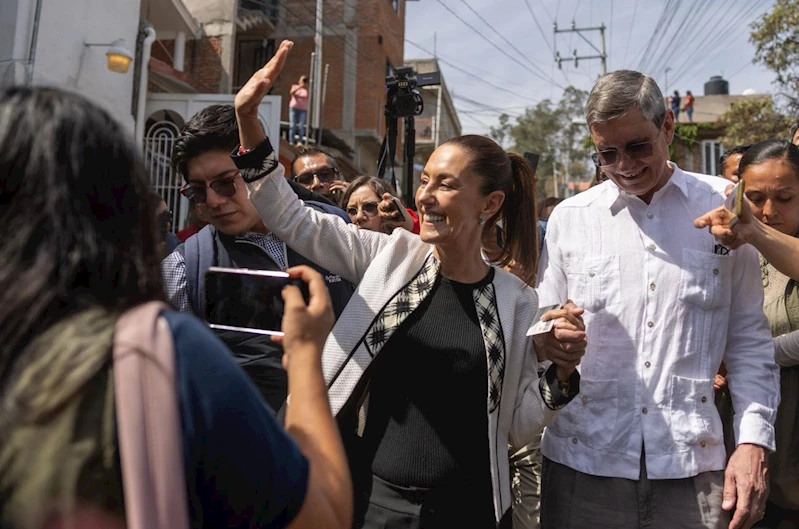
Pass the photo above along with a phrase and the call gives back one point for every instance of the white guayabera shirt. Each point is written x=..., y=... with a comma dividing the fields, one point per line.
x=665, y=305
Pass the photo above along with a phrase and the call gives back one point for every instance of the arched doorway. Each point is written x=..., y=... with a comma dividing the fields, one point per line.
x=161, y=130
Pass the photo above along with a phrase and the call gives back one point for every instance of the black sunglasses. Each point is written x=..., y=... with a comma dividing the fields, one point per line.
x=325, y=175
x=636, y=151
x=198, y=193
x=370, y=209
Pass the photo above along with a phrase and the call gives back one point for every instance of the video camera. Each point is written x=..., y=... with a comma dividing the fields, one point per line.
x=403, y=97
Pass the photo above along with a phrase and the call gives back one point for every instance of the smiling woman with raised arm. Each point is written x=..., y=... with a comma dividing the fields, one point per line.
x=429, y=368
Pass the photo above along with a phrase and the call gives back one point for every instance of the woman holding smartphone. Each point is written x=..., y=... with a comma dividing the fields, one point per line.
x=770, y=171
x=429, y=368
x=78, y=249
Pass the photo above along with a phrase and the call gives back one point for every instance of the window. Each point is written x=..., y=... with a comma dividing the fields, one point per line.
x=396, y=5
x=711, y=152
x=251, y=56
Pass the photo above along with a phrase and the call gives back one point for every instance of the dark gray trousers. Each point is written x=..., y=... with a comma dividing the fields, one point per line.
x=573, y=500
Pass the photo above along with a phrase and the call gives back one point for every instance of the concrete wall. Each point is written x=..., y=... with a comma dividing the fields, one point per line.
x=14, y=39
x=217, y=18
x=61, y=58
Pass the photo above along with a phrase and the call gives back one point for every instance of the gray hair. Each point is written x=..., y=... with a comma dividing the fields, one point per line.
x=617, y=92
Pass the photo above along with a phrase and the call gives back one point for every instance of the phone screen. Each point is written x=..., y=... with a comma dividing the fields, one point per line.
x=245, y=300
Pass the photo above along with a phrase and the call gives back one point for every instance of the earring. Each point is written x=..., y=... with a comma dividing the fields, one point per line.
x=480, y=219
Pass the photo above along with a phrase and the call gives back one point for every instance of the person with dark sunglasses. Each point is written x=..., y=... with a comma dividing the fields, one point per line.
x=317, y=171
x=235, y=237
x=664, y=305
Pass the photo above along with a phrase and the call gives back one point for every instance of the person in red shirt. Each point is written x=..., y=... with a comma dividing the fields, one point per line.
x=689, y=106
x=195, y=224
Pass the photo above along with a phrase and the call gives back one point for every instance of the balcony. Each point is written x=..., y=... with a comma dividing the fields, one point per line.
x=257, y=15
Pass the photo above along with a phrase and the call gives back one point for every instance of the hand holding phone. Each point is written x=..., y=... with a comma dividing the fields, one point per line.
x=735, y=201
x=392, y=211
x=305, y=325
x=242, y=300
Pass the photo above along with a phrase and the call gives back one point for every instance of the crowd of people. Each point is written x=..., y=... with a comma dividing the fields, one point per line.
x=480, y=360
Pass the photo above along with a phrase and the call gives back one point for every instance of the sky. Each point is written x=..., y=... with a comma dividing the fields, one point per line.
x=695, y=39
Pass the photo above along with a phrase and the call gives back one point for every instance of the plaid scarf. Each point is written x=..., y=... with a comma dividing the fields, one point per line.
x=408, y=300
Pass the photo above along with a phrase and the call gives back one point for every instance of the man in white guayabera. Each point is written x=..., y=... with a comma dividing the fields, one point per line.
x=642, y=445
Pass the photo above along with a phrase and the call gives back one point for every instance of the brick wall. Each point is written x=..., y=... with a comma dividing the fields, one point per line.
x=380, y=37
x=202, y=62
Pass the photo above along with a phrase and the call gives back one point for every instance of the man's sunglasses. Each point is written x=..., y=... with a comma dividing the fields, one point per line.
x=636, y=151
x=198, y=193
x=370, y=209
x=325, y=175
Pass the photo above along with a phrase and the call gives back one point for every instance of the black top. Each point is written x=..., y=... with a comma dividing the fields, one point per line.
x=427, y=423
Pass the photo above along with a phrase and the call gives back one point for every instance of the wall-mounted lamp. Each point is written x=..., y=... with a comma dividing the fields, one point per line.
x=119, y=57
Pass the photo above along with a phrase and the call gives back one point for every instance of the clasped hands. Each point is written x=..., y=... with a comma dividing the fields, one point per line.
x=564, y=345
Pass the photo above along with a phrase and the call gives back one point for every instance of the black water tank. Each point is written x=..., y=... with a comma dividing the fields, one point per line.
x=717, y=86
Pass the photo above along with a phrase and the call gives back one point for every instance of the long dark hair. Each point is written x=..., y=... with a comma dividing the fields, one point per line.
x=76, y=229
x=511, y=174
x=770, y=150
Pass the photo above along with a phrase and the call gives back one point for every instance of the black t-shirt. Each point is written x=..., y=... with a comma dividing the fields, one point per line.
x=427, y=424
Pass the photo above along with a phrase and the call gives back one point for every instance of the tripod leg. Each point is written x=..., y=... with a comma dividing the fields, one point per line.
x=410, y=152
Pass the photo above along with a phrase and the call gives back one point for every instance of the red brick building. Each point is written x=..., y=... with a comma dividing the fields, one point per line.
x=361, y=40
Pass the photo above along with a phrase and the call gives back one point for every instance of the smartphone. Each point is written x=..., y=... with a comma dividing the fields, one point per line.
x=735, y=201
x=239, y=299
x=396, y=205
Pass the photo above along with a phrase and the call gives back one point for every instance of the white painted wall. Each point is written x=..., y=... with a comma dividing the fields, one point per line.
x=61, y=58
x=15, y=24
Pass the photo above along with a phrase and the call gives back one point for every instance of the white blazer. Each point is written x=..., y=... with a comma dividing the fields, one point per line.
x=381, y=265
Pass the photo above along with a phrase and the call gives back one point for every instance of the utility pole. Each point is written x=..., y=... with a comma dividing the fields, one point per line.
x=603, y=56
x=317, y=70
x=322, y=111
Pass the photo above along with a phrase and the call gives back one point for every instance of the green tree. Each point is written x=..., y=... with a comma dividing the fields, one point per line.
x=754, y=120
x=555, y=131
x=776, y=40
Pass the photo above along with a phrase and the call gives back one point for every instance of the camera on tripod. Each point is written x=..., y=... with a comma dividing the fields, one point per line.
x=403, y=97
x=403, y=100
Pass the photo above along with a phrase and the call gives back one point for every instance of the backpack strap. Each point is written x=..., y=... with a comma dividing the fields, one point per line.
x=148, y=420
x=199, y=255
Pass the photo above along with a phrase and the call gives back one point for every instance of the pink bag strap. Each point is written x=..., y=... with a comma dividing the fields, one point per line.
x=148, y=420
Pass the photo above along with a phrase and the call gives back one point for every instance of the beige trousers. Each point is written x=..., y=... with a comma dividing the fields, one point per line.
x=525, y=467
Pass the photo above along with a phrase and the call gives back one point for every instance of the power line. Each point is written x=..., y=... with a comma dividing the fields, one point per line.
x=483, y=123
x=543, y=5
x=482, y=106
x=544, y=36
x=683, y=36
x=500, y=35
x=658, y=25
x=648, y=59
x=742, y=68
x=540, y=29
x=629, y=35
x=470, y=74
x=511, y=111
x=720, y=40
x=542, y=77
